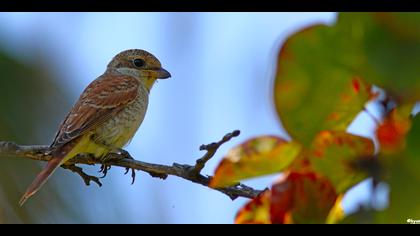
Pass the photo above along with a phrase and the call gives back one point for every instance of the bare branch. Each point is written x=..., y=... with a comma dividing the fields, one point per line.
x=211, y=150
x=87, y=178
x=123, y=159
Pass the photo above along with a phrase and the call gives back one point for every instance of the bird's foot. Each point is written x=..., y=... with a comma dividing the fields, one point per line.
x=104, y=170
x=116, y=155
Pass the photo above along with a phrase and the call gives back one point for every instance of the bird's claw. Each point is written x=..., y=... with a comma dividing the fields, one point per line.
x=115, y=155
x=133, y=174
x=104, y=170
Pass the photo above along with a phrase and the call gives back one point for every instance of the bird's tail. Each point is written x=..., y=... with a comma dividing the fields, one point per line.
x=59, y=157
x=42, y=178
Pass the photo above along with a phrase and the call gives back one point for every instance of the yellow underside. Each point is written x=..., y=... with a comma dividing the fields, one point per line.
x=86, y=145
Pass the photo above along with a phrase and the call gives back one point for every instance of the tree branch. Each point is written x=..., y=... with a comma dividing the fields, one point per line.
x=123, y=159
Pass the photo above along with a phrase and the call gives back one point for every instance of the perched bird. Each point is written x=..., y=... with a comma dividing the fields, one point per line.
x=107, y=114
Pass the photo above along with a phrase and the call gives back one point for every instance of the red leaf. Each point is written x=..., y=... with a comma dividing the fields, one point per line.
x=391, y=133
x=302, y=198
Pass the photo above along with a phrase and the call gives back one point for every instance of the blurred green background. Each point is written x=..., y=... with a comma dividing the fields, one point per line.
x=31, y=105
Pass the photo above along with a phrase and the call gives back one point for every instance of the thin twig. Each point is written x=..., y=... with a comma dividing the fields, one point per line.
x=211, y=150
x=188, y=172
x=87, y=178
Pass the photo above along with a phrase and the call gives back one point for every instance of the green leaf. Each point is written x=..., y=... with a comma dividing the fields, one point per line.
x=413, y=141
x=336, y=155
x=404, y=179
x=364, y=216
x=255, y=157
x=390, y=43
x=316, y=68
x=316, y=86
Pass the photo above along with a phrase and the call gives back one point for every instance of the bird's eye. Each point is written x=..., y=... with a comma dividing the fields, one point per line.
x=138, y=62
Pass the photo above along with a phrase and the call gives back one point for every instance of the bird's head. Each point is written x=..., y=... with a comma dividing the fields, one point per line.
x=140, y=64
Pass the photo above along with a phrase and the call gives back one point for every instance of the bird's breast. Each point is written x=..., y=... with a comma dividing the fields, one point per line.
x=118, y=130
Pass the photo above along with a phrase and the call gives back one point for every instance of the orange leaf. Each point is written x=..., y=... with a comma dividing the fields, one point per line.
x=255, y=211
x=255, y=157
x=391, y=133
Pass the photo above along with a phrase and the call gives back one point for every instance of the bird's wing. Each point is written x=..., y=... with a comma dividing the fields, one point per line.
x=100, y=101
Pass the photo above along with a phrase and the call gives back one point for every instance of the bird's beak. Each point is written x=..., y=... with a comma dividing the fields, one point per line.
x=162, y=73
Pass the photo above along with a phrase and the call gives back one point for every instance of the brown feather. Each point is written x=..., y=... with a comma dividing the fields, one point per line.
x=101, y=100
x=56, y=161
x=41, y=179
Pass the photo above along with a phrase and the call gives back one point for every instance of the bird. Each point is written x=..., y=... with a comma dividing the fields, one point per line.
x=107, y=114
